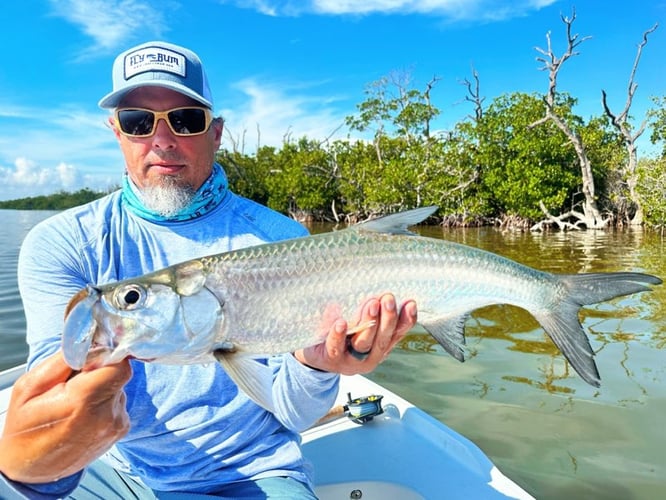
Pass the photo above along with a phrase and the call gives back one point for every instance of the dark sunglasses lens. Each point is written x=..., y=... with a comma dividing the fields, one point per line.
x=188, y=120
x=136, y=121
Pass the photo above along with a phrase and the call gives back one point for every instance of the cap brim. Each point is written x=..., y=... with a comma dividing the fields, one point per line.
x=113, y=99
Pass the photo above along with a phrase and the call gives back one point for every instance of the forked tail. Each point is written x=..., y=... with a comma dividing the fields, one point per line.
x=562, y=323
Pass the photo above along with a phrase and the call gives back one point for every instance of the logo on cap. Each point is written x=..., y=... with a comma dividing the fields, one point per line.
x=154, y=59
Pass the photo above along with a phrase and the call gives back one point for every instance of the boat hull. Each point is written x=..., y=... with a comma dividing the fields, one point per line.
x=401, y=453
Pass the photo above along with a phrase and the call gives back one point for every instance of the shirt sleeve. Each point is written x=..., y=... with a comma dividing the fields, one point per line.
x=48, y=277
x=301, y=395
x=12, y=490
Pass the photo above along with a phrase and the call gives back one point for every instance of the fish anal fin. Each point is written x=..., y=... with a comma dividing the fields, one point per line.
x=251, y=376
x=449, y=332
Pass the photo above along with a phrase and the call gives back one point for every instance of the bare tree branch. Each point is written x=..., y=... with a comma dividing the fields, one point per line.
x=620, y=120
x=475, y=94
x=426, y=94
x=561, y=221
x=553, y=64
x=622, y=125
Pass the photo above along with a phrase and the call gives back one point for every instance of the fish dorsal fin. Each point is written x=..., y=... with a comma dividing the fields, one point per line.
x=397, y=223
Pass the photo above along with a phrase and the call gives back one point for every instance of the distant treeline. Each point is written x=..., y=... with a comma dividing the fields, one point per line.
x=57, y=201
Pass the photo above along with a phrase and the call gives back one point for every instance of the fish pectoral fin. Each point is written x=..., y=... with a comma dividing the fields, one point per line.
x=251, y=376
x=80, y=328
x=450, y=333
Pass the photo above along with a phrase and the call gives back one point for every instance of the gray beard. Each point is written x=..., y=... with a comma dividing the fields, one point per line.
x=168, y=198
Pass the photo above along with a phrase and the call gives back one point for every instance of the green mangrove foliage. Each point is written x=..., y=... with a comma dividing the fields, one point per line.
x=495, y=165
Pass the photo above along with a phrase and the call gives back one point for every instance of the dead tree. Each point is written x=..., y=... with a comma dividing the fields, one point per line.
x=428, y=103
x=591, y=216
x=474, y=95
x=620, y=122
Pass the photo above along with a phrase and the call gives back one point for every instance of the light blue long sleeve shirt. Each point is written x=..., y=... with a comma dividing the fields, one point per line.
x=192, y=429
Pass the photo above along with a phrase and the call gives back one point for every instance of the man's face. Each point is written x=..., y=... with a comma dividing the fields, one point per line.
x=165, y=160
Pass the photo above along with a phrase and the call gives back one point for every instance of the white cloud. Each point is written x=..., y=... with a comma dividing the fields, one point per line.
x=451, y=9
x=28, y=173
x=47, y=150
x=111, y=23
x=271, y=114
x=68, y=175
x=27, y=178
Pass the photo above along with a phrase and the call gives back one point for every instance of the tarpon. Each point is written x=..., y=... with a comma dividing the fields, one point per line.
x=278, y=297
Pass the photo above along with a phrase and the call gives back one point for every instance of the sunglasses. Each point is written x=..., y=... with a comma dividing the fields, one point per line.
x=185, y=121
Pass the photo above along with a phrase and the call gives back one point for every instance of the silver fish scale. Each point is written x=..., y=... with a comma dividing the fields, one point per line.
x=280, y=297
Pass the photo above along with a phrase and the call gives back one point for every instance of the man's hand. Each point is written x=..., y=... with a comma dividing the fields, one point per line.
x=364, y=350
x=59, y=420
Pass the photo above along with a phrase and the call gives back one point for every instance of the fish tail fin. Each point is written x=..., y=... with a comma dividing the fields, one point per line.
x=563, y=326
x=591, y=288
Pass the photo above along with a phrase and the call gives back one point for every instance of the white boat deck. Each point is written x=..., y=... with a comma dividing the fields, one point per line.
x=403, y=453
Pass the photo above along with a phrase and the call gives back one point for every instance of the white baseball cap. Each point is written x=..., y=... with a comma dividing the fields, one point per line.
x=159, y=64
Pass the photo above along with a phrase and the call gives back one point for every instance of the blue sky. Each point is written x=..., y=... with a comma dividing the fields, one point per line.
x=287, y=69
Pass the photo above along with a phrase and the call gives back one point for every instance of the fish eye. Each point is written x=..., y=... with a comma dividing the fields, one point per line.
x=130, y=297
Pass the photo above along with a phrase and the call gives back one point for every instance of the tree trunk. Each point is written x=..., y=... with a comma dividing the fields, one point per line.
x=620, y=122
x=591, y=215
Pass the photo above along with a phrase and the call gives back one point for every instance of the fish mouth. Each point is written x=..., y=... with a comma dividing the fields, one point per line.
x=80, y=327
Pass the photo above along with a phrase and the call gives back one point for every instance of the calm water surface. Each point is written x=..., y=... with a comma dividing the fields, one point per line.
x=515, y=397
x=15, y=225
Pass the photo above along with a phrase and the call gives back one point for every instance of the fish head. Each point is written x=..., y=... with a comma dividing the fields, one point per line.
x=169, y=317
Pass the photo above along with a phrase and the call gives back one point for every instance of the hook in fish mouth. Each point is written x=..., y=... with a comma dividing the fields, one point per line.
x=80, y=327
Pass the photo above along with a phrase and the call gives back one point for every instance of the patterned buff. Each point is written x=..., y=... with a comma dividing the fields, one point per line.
x=209, y=195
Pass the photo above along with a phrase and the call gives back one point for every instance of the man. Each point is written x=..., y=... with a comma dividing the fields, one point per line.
x=163, y=430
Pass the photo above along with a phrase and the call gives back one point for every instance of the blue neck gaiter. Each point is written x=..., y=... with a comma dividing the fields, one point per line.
x=208, y=196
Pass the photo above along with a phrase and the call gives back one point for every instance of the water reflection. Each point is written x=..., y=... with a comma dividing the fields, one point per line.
x=560, y=252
